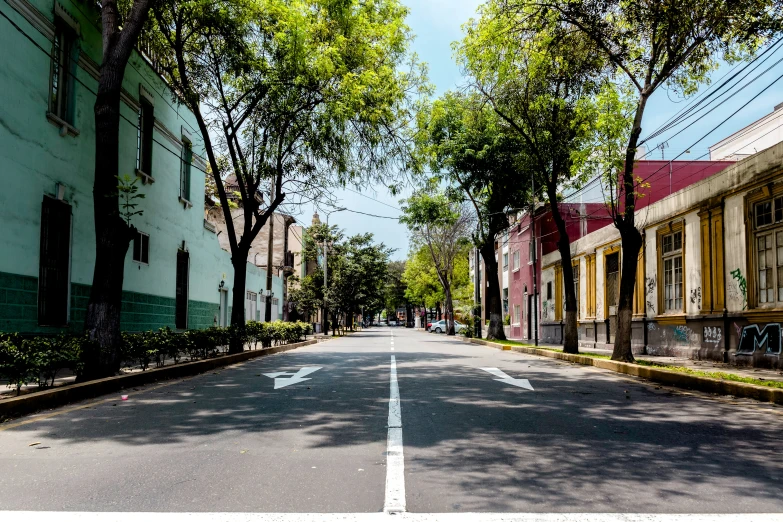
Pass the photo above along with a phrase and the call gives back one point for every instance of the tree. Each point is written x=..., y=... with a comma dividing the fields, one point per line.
x=359, y=276
x=112, y=234
x=421, y=280
x=653, y=44
x=395, y=289
x=544, y=88
x=293, y=98
x=444, y=227
x=462, y=137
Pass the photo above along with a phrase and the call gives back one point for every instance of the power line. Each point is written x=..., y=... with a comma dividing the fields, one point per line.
x=372, y=215
x=725, y=120
x=683, y=114
x=368, y=197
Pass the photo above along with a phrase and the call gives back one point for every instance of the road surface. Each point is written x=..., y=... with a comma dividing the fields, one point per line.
x=321, y=430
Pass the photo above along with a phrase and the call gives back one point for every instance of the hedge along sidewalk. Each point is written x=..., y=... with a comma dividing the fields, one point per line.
x=655, y=374
x=67, y=394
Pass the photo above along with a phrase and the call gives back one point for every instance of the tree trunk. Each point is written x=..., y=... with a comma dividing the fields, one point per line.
x=449, y=311
x=571, y=335
x=624, y=219
x=437, y=308
x=239, y=262
x=112, y=234
x=631, y=244
x=493, y=304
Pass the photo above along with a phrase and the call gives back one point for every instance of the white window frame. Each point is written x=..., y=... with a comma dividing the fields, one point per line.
x=140, y=261
x=672, y=303
x=770, y=230
x=515, y=260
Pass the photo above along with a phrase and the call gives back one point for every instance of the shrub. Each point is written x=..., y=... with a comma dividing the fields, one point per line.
x=37, y=359
x=17, y=366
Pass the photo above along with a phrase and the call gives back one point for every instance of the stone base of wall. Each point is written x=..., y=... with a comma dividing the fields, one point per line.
x=703, y=337
x=140, y=312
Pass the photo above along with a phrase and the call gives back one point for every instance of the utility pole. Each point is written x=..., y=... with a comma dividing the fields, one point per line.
x=269, y=261
x=477, y=315
x=535, y=265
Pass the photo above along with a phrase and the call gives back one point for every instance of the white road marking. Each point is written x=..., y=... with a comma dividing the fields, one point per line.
x=521, y=383
x=75, y=516
x=395, y=462
x=292, y=378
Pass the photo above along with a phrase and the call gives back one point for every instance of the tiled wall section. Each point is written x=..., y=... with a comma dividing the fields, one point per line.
x=19, y=308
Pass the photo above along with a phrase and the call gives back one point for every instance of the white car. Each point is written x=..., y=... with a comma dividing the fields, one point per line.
x=441, y=326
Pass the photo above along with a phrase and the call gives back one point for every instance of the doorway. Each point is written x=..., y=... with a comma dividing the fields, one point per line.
x=223, y=311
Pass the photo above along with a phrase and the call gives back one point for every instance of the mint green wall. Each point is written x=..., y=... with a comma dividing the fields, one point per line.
x=34, y=158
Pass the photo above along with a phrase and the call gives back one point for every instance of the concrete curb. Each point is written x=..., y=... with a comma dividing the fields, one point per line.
x=60, y=396
x=668, y=377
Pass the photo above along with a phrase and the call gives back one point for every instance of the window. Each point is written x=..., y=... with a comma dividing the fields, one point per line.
x=141, y=248
x=505, y=262
x=505, y=300
x=769, y=251
x=65, y=56
x=184, y=175
x=251, y=306
x=671, y=251
x=516, y=260
x=54, y=263
x=532, y=252
x=144, y=138
x=765, y=214
x=548, y=290
x=516, y=314
x=612, y=282
x=576, y=290
x=181, y=298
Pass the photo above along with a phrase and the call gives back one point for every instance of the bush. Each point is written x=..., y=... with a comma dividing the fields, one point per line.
x=39, y=359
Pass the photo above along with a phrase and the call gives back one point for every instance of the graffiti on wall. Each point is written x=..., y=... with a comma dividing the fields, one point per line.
x=682, y=334
x=739, y=290
x=545, y=310
x=712, y=334
x=696, y=296
x=651, y=327
x=766, y=340
x=649, y=285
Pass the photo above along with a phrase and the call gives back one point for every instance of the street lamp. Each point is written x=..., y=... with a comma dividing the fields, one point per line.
x=325, y=257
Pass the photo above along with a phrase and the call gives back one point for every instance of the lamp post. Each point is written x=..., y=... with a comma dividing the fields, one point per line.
x=326, y=332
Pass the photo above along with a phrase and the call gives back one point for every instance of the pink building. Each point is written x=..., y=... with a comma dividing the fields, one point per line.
x=664, y=177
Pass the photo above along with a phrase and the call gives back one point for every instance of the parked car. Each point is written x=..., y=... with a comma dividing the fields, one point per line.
x=441, y=326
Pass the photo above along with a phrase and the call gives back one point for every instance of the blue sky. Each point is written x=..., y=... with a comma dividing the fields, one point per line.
x=437, y=23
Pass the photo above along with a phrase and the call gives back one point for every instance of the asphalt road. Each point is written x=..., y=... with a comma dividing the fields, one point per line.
x=583, y=440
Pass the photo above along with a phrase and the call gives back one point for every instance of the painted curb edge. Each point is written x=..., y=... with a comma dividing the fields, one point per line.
x=63, y=395
x=668, y=377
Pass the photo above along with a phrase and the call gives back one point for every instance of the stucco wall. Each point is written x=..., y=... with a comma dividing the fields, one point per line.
x=35, y=157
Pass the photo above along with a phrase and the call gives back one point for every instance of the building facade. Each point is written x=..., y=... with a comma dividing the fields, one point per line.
x=709, y=282
x=176, y=274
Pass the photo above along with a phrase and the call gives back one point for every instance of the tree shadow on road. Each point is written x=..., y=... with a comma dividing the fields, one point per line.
x=579, y=442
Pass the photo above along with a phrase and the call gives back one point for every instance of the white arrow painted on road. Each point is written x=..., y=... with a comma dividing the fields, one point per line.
x=521, y=383
x=292, y=378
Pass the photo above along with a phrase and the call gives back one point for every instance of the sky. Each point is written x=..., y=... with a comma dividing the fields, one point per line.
x=437, y=23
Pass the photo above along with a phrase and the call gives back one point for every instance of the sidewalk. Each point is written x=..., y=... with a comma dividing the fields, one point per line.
x=65, y=376
x=704, y=366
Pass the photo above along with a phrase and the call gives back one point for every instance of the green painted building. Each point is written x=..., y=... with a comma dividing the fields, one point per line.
x=176, y=274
